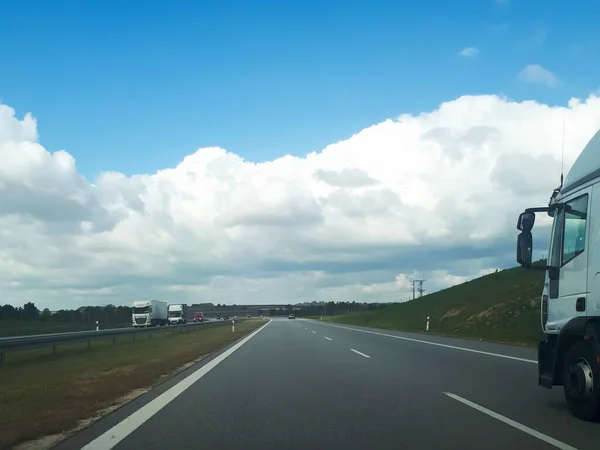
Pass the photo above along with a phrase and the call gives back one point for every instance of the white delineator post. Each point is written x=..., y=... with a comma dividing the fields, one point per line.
x=427, y=325
x=233, y=326
x=97, y=326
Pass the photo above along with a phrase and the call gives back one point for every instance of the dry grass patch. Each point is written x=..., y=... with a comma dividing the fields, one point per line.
x=43, y=394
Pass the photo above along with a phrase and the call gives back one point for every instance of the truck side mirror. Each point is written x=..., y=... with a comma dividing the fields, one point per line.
x=524, y=248
x=526, y=221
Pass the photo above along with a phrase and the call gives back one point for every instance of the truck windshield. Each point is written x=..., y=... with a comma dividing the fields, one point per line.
x=144, y=310
x=174, y=313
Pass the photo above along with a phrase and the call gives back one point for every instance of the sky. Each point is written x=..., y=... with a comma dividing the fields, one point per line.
x=250, y=152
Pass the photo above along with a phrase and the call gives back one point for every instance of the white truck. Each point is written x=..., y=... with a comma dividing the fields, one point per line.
x=149, y=313
x=176, y=314
x=569, y=355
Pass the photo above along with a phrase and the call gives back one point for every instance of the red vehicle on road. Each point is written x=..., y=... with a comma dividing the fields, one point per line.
x=198, y=317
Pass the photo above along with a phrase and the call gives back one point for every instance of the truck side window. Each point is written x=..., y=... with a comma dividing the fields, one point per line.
x=556, y=239
x=574, y=228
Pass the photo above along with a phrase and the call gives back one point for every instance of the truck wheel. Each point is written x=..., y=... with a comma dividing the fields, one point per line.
x=581, y=382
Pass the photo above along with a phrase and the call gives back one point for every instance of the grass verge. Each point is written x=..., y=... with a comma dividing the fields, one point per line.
x=27, y=327
x=500, y=307
x=44, y=394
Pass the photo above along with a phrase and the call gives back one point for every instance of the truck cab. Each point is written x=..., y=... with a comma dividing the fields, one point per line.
x=176, y=314
x=569, y=356
x=149, y=313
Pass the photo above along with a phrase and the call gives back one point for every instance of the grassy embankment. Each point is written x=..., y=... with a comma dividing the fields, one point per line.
x=500, y=307
x=42, y=394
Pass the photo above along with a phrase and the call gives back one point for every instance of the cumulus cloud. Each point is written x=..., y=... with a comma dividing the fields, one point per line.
x=534, y=73
x=433, y=195
x=469, y=52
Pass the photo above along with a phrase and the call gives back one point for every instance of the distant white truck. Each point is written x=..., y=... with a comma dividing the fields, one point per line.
x=176, y=314
x=149, y=313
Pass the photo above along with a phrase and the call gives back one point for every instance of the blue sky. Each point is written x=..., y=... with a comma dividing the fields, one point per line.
x=136, y=87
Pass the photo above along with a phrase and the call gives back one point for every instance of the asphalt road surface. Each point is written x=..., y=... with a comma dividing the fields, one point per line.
x=299, y=384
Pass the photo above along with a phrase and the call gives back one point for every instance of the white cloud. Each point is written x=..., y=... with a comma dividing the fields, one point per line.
x=534, y=73
x=469, y=52
x=434, y=196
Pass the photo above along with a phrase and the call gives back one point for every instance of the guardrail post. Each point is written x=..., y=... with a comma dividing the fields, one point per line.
x=1, y=359
x=54, y=350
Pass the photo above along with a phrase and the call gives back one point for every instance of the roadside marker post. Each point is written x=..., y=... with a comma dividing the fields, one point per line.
x=97, y=326
x=233, y=326
x=427, y=325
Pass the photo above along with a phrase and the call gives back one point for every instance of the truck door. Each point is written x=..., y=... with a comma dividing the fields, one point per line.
x=593, y=296
x=568, y=292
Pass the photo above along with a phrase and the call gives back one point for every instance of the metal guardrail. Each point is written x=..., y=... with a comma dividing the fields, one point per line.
x=20, y=343
x=48, y=329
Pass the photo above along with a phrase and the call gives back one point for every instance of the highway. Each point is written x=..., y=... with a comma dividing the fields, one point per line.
x=300, y=384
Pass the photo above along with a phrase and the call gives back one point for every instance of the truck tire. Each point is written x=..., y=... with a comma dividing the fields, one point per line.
x=581, y=382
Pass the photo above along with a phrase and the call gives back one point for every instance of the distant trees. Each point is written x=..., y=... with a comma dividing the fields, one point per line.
x=337, y=308
x=85, y=314
x=122, y=314
x=322, y=308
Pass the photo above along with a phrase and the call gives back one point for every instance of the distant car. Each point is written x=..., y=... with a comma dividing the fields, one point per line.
x=249, y=316
x=226, y=318
x=291, y=316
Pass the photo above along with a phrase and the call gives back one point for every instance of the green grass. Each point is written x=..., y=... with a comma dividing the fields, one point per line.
x=500, y=307
x=43, y=394
x=27, y=327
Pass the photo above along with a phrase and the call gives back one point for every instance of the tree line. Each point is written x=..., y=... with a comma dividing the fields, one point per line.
x=85, y=314
x=325, y=308
x=122, y=314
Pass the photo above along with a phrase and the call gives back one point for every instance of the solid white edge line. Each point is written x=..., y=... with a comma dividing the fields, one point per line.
x=120, y=431
x=329, y=339
x=512, y=423
x=499, y=355
x=360, y=353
